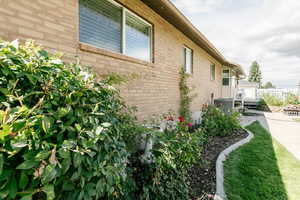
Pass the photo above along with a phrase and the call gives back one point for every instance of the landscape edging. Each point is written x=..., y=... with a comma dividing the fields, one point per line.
x=220, y=191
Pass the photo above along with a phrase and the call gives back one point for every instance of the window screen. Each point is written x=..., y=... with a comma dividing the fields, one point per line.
x=138, y=38
x=100, y=24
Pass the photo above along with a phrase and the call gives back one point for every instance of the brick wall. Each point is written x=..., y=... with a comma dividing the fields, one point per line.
x=54, y=24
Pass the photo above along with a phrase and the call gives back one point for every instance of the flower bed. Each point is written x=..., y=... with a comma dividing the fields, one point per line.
x=220, y=130
x=65, y=135
x=202, y=176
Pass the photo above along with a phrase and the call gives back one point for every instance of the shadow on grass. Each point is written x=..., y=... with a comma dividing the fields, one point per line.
x=252, y=172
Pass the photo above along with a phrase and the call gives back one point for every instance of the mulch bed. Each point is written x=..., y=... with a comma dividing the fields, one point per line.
x=202, y=176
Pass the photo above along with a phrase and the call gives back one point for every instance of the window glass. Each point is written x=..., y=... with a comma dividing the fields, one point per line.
x=213, y=72
x=188, y=60
x=226, y=77
x=100, y=24
x=138, y=38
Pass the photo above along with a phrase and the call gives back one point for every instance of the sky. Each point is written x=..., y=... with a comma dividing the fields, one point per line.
x=267, y=31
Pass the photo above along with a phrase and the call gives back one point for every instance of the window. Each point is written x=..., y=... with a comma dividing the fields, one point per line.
x=212, y=72
x=101, y=24
x=107, y=25
x=226, y=77
x=188, y=60
x=138, y=38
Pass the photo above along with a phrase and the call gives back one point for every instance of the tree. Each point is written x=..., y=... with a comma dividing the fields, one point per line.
x=268, y=85
x=255, y=73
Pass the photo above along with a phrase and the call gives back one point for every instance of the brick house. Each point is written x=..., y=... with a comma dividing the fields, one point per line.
x=149, y=38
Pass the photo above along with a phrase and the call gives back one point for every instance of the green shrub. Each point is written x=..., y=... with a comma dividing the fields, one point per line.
x=176, y=151
x=292, y=99
x=62, y=134
x=271, y=100
x=262, y=105
x=216, y=123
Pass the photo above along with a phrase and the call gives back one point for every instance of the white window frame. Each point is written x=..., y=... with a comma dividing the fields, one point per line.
x=190, y=70
x=229, y=77
x=123, y=31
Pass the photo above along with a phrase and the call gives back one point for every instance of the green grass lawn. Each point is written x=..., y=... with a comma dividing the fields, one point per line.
x=262, y=170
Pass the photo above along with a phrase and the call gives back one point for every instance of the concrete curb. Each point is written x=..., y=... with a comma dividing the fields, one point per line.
x=220, y=191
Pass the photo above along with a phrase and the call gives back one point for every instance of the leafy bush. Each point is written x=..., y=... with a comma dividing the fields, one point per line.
x=176, y=151
x=271, y=100
x=62, y=134
x=292, y=99
x=217, y=123
x=263, y=106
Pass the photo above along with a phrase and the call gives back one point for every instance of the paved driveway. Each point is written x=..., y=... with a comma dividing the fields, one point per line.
x=282, y=128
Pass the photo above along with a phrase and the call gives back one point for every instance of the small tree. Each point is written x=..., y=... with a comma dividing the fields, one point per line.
x=255, y=73
x=268, y=85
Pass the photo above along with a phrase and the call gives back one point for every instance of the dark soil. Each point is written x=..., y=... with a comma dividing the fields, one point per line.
x=202, y=176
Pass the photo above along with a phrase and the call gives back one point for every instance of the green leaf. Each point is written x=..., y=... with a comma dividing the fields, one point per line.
x=64, y=153
x=68, y=186
x=27, y=197
x=13, y=188
x=69, y=144
x=31, y=78
x=43, y=53
x=91, y=189
x=100, y=186
x=78, y=127
x=28, y=164
x=46, y=124
x=49, y=190
x=1, y=163
x=42, y=155
x=23, y=181
x=49, y=174
x=77, y=158
x=62, y=112
x=18, y=125
x=106, y=124
x=65, y=165
x=6, y=104
x=4, y=91
x=6, y=130
x=19, y=144
x=4, y=194
x=99, y=129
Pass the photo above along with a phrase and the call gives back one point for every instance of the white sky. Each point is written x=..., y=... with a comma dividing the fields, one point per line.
x=246, y=30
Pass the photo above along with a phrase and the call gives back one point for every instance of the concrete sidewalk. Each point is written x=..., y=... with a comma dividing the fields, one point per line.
x=282, y=128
